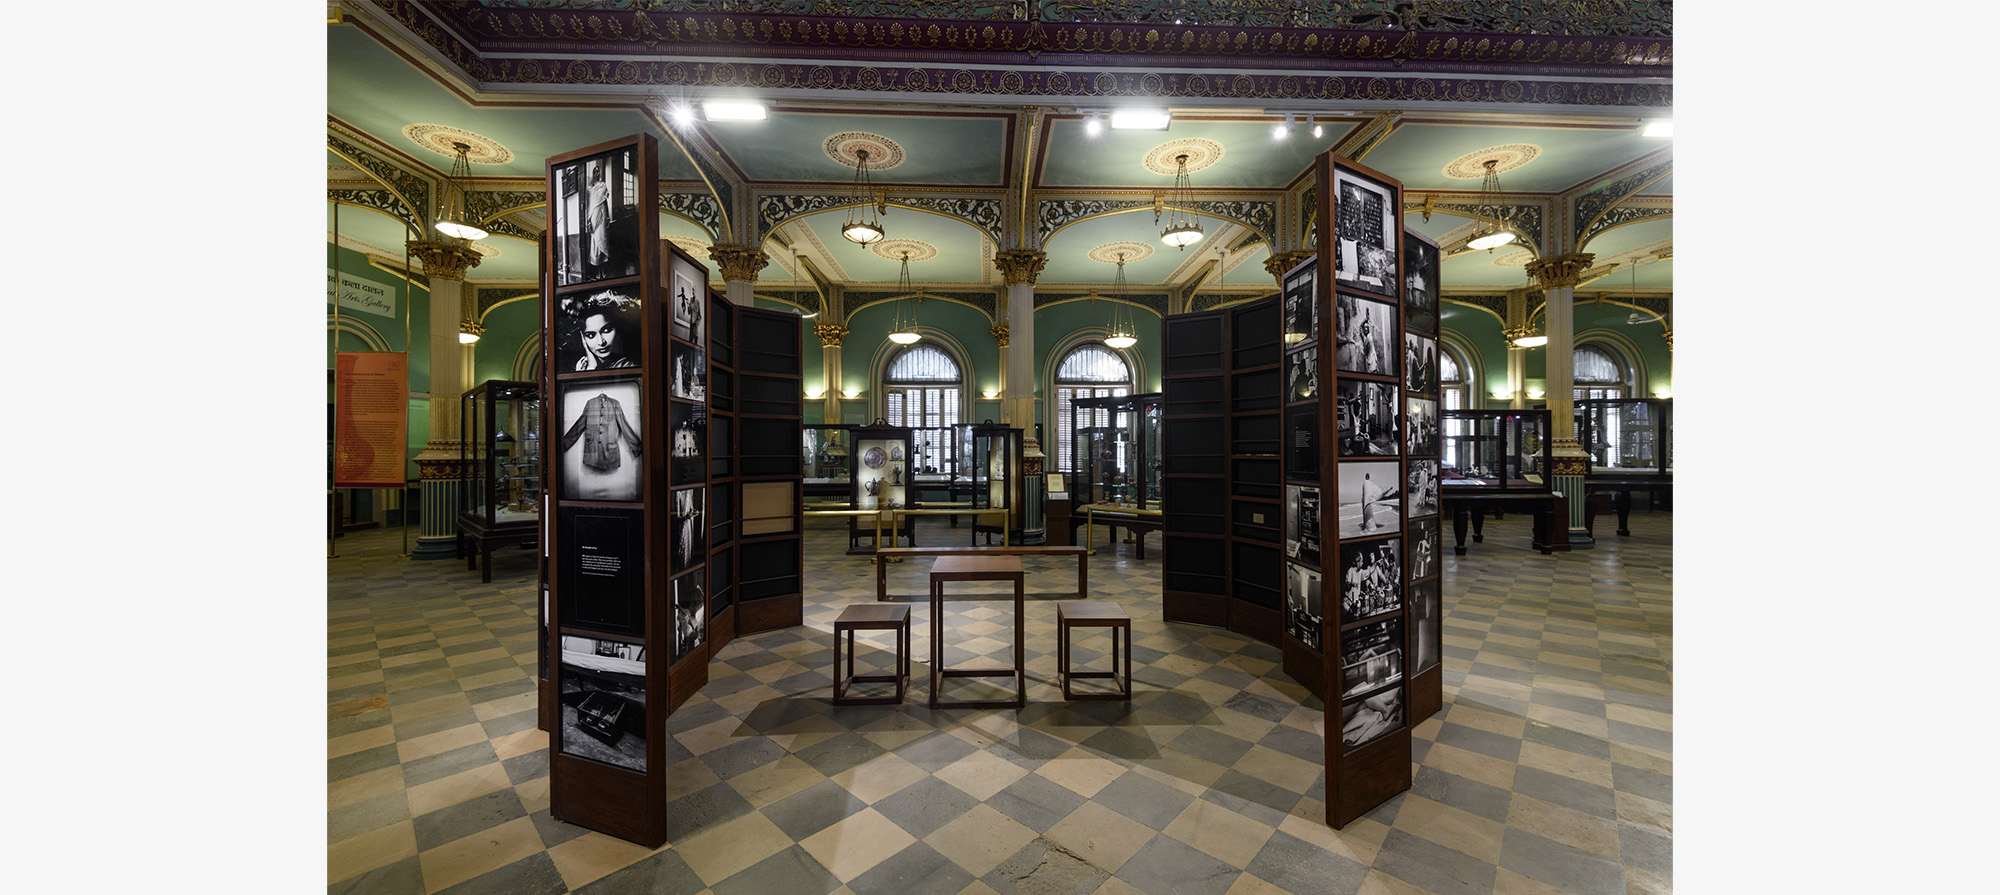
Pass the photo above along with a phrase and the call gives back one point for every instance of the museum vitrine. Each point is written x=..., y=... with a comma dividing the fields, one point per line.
x=1119, y=464
x=500, y=462
x=1627, y=435
x=991, y=459
x=1495, y=450
x=878, y=478
x=824, y=452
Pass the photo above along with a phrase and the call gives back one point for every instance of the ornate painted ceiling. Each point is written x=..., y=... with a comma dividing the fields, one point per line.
x=977, y=117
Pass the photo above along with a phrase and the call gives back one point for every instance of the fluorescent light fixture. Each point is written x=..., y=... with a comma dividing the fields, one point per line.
x=1141, y=119
x=1661, y=127
x=734, y=110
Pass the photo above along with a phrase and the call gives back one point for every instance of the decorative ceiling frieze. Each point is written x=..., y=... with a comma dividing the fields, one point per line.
x=853, y=301
x=489, y=297
x=410, y=195
x=1492, y=304
x=1055, y=214
x=774, y=210
x=700, y=208
x=1605, y=208
x=1151, y=301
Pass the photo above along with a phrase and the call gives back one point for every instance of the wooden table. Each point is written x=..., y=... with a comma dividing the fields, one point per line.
x=978, y=568
x=895, y=554
x=1550, y=511
x=1135, y=521
x=1621, y=488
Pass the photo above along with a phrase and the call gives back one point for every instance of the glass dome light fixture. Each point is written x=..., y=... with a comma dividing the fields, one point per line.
x=899, y=332
x=1121, y=331
x=864, y=228
x=1496, y=233
x=452, y=218
x=1181, y=231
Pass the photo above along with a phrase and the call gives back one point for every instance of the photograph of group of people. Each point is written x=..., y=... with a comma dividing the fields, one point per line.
x=598, y=330
x=1367, y=415
x=1420, y=363
x=689, y=531
x=1371, y=498
x=1371, y=656
x=600, y=444
x=1364, y=335
x=690, y=615
x=1304, y=607
x=1423, y=492
x=687, y=454
x=1302, y=523
x=1365, y=218
x=594, y=219
x=1422, y=431
x=603, y=701
x=1420, y=282
x=1371, y=579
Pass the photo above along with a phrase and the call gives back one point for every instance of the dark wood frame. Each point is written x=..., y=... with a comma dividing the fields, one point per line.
x=479, y=533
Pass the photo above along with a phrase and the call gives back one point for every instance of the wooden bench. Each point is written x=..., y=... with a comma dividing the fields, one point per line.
x=885, y=554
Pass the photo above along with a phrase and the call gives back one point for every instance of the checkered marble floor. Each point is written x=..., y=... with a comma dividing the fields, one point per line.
x=1550, y=768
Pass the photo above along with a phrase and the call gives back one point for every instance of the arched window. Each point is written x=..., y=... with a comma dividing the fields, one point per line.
x=1451, y=380
x=1091, y=370
x=923, y=388
x=1598, y=374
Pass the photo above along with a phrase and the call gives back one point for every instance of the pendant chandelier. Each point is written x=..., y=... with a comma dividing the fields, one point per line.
x=902, y=332
x=1181, y=231
x=1121, y=327
x=863, y=224
x=1495, y=232
x=453, y=218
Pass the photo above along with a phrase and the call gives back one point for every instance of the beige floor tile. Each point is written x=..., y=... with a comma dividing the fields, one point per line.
x=1364, y=838
x=689, y=776
x=1182, y=771
x=360, y=741
x=1582, y=663
x=1641, y=882
x=1643, y=758
x=449, y=702
x=709, y=737
x=1379, y=883
x=1307, y=823
x=856, y=843
x=487, y=850
x=413, y=659
x=891, y=740
x=720, y=852
x=443, y=741
x=1477, y=684
x=354, y=680
x=1567, y=686
x=979, y=888
x=1251, y=884
x=982, y=774
x=490, y=678
x=1081, y=771
x=763, y=785
x=1645, y=813
x=1101, y=836
x=1642, y=717
x=1452, y=828
x=1569, y=764
x=520, y=743
x=1272, y=766
x=375, y=848
x=1230, y=837
x=362, y=787
x=1507, y=882
x=506, y=705
x=534, y=794
x=592, y=856
x=476, y=656
x=430, y=796
x=1489, y=721
x=1588, y=725
x=1471, y=765
x=978, y=840
x=1568, y=826
x=879, y=778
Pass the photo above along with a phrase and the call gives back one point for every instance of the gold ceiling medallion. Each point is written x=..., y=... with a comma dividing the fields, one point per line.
x=1506, y=157
x=441, y=139
x=899, y=247
x=845, y=148
x=1109, y=252
x=1201, y=153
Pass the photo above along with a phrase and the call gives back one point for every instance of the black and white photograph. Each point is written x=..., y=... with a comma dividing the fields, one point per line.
x=1302, y=523
x=1302, y=374
x=1371, y=579
x=1301, y=306
x=1364, y=336
x=1427, y=614
x=1422, y=431
x=1420, y=282
x=1420, y=363
x=1368, y=418
x=1365, y=719
x=689, y=299
x=1305, y=614
x=688, y=380
x=1425, y=548
x=1371, y=498
x=594, y=219
x=1423, y=488
x=689, y=539
x=598, y=330
x=600, y=439
x=1371, y=656
x=603, y=701
x=601, y=569
x=690, y=617
x=687, y=443
x=1302, y=442
x=1366, y=224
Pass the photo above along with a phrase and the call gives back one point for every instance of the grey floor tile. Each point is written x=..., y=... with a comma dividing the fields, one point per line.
x=790, y=871
x=1167, y=864
x=533, y=875
x=404, y=877
x=1035, y=802
x=454, y=822
x=917, y=868
x=1303, y=869
x=660, y=873
x=1043, y=868
x=704, y=809
x=1470, y=796
x=1566, y=867
x=813, y=809
x=1143, y=799
x=925, y=805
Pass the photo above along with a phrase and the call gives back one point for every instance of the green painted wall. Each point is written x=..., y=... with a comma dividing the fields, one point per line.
x=508, y=326
x=1480, y=330
x=1641, y=345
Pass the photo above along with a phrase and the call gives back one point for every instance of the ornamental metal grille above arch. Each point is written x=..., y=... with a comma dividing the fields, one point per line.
x=776, y=211
x=1054, y=214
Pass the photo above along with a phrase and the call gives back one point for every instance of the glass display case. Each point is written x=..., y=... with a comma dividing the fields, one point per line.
x=1119, y=464
x=990, y=465
x=1496, y=450
x=1633, y=436
x=879, y=478
x=500, y=468
x=826, y=460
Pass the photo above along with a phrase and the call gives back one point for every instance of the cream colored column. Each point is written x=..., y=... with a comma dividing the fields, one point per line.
x=1019, y=268
x=1517, y=357
x=445, y=264
x=1558, y=275
x=740, y=265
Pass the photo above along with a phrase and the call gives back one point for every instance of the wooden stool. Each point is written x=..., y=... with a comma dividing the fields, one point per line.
x=1095, y=614
x=871, y=617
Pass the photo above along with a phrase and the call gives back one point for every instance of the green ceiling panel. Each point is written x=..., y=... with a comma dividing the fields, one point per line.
x=1069, y=260
x=959, y=258
x=1416, y=154
x=1482, y=270
x=939, y=149
x=1250, y=156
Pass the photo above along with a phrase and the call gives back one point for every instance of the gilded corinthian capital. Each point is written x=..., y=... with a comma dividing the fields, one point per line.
x=444, y=260
x=1000, y=332
x=1020, y=267
x=830, y=334
x=739, y=263
x=1276, y=265
x=1560, y=271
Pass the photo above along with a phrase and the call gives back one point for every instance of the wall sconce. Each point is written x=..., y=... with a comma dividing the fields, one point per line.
x=1664, y=393
x=1503, y=396
x=814, y=394
x=989, y=394
x=851, y=393
x=1536, y=393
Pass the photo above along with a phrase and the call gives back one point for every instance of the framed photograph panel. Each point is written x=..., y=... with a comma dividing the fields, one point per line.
x=1364, y=333
x=1305, y=615
x=1427, y=615
x=690, y=617
x=688, y=530
x=1302, y=374
x=594, y=218
x=1422, y=431
x=1371, y=498
x=1425, y=548
x=1371, y=579
x=1420, y=282
x=603, y=701
x=1302, y=442
x=1369, y=416
x=601, y=569
x=600, y=446
x=1371, y=656
x=1365, y=719
x=1420, y=364
x=1422, y=493
x=687, y=443
x=1366, y=228
x=1301, y=306
x=688, y=378
x=688, y=300
x=598, y=330
x=1302, y=520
